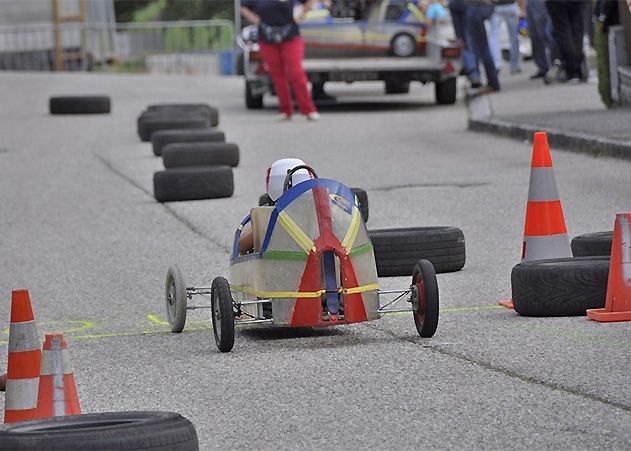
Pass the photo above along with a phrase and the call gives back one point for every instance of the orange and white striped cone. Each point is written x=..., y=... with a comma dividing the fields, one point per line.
x=618, y=299
x=545, y=232
x=24, y=361
x=57, y=389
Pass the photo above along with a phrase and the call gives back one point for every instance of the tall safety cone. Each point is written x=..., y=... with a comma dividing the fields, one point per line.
x=57, y=389
x=24, y=361
x=545, y=233
x=618, y=300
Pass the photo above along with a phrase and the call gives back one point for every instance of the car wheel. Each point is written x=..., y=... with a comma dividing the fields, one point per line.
x=446, y=91
x=175, y=297
x=222, y=314
x=252, y=102
x=398, y=250
x=145, y=431
x=176, y=155
x=425, y=299
x=403, y=44
x=592, y=244
x=560, y=286
x=194, y=183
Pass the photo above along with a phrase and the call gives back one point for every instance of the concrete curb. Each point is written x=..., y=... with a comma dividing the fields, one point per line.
x=480, y=112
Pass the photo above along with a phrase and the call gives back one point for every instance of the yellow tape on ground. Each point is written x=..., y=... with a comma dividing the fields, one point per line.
x=278, y=294
x=351, y=233
x=295, y=232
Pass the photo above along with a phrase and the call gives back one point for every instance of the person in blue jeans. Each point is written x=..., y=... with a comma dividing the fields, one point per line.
x=458, y=10
x=508, y=11
x=540, y=32
x=477, y=12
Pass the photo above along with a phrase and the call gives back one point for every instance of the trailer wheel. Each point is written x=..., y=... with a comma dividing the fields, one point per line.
x=175, y=297
x=403, y=44
x=592, y=244
x=222, y=314
x=146, y=431
x=252, y=102
x=446, y=91
x=425, y=299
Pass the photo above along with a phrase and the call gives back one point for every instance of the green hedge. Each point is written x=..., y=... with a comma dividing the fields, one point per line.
x=601, y=44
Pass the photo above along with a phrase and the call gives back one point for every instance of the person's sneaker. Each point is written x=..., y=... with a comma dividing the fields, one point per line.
x=283, y=117
x=313, y=116
x=476, y=84
x=556, y=74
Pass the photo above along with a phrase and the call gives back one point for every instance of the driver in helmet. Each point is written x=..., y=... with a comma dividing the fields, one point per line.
x=276, y=175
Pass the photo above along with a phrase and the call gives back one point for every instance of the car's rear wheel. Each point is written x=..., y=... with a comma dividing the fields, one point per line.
x=175, y=297
x=403, y=44
x=222, y=314
x=425, y=299
x=252, y=101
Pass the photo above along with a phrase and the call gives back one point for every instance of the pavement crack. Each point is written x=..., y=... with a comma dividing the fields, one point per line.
x=505, y=371
x=189, y=225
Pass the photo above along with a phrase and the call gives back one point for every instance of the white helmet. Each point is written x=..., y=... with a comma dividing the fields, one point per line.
x=277, y=173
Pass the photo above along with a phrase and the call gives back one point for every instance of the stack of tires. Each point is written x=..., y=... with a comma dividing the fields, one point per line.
x=564, y=286
x=198, y=162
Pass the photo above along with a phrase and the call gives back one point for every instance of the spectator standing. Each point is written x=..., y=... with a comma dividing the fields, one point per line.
x=282, y=49
x=508, y=11
x=567, y=31
x=540, y=32
x=458, y=10
x=477, y=12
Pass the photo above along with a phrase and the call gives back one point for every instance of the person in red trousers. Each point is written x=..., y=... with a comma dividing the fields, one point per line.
x=282, y=49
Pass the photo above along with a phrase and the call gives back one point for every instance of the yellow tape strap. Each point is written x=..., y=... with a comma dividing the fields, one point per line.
x=278, y=294
x=363, y=288
x=296, y=233
x=351, y=233
x=416, y=12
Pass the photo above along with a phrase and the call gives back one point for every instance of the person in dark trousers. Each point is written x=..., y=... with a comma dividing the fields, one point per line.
x=458, y=10
x=477, y=12
x=282, y=49
x=540, y=32
x=568, y=31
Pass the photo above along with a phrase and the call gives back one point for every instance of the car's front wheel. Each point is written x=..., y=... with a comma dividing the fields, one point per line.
x=403, y=44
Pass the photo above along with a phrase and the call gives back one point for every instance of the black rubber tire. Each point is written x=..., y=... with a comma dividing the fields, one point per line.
x=147, y=431
x=397, y=87
x=264, y=199
x=222, y=314
x=252, y=102
x=175, y=299
x=204, y=182
x=425, y=302
x=79, y=105
x=176, y=155
x=161, y=138
x=445, y=91
x=362, y=198
x=559, y=287
x=398, y=250
x=210, y=112
x=592, y=244
x=150, y=123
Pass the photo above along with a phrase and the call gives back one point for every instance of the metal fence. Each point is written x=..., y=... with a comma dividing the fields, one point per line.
x=195, y=46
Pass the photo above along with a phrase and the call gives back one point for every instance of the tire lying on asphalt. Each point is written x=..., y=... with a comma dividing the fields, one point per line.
x=150, y=123
x=112, y=431
x=161, y=138
x=204, y=182
x=200, y=154
x=592, y=244
x=560, y=286
x=398, y=250
x=79, y=105
x=210, y=112
x=362, y=198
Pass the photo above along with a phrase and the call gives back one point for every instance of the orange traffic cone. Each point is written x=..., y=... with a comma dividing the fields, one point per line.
x=545, y=233
x=24, y=362
x=57, y=389
x=618, y=300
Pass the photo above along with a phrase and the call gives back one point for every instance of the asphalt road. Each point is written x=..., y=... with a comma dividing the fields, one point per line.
x=80, y=229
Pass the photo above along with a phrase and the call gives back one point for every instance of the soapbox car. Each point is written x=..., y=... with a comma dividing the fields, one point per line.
x=312, y=265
